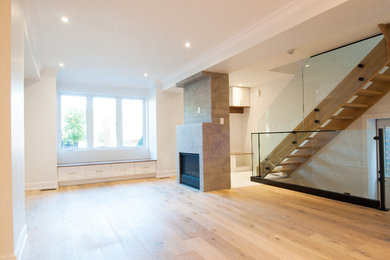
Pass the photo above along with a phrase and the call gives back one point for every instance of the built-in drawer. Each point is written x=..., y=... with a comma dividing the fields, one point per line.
x=122, y=169
x=98, y=171
x=145, y=167
x=71, y=173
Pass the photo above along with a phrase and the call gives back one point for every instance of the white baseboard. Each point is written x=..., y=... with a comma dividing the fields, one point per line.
x=164, y=174
x=10, y=257
x=21, y=243
x=41, y=185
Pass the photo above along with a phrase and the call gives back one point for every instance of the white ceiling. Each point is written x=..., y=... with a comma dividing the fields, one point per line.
x=117, y=41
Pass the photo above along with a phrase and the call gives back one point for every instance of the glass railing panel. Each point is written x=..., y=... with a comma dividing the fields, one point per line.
x=255, y=153
x=336, y=161
x=286, y=112
x=322, y=73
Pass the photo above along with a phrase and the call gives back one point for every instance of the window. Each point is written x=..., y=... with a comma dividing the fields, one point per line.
x=104, y=122
x=133, y=125
x=73, y=122
x=98, y=122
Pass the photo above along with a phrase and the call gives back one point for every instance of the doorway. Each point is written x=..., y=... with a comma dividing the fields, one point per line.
x=385, y=124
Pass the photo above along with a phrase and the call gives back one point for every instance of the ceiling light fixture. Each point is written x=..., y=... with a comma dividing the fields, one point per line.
x=307, y=65
x=61, y=65
x=188, y=44
x=240, y=85
x=145, y=75
x=65, y=19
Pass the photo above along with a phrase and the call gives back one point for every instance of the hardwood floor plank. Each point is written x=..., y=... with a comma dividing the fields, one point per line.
x=160, y=219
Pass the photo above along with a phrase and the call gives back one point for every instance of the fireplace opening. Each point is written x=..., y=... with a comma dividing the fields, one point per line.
x=189, y=169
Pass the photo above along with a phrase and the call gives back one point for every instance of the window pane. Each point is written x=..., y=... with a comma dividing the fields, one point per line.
x=104, y=122
x=73, y=123
x=133, y=123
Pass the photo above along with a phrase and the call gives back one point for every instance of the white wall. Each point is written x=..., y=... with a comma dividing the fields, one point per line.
x=237, y=122
x=169, y=113
x=152, y=125
x=12, y=217
x=242, y=125
x=40, y=132
x=258, y=107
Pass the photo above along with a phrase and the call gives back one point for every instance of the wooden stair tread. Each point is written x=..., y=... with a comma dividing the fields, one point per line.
x=366, y=92
x=290, y=163
x=308, y=147
x=299, y=156
x=342, y=117
x=282, y=170
x=382, y=78
x=354, y=105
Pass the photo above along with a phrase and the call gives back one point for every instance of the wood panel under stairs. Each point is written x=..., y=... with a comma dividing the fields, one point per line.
x=364, y=86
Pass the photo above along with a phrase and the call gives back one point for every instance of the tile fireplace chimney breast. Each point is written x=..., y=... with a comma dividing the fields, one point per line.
x=206, y=105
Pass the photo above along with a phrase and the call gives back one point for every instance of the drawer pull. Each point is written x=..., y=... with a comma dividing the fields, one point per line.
x=72, y=173
x=99, y=171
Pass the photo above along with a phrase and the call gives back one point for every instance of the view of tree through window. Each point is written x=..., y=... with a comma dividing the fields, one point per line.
x=73, y=122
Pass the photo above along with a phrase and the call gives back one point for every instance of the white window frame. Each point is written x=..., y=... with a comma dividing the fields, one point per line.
x=89, y=122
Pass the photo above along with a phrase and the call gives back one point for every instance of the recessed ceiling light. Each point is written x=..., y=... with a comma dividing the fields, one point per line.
x=188, y=44
x=65, y=19
x=307, y=65
x=145, y=75
x=240, y=85
x=61, y=64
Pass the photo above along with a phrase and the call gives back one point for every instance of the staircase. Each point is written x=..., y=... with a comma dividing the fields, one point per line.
x=364, y=86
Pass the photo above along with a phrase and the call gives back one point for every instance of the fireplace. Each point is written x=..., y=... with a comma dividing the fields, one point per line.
x=203, y=141
x=189, y=169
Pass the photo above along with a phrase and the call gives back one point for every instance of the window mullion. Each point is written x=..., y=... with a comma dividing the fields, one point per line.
x=59, y=125
x=90, y=122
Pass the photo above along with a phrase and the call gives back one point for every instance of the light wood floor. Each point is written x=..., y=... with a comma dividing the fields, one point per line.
x=159, y=219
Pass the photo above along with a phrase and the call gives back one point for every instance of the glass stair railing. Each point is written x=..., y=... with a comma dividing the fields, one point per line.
x=326, y=96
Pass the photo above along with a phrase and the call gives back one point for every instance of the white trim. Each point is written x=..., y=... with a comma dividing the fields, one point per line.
x=30, y=31
x=371, y=185
x=164, y=174
x=101, y=84
x=374, y=116
x=21, y=243
x=292, y=14
x=41, y=185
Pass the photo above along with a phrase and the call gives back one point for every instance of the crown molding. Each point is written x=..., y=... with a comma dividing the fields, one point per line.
x=86, y=82
x=30, y=31
x=32, y=53
x=292, y=14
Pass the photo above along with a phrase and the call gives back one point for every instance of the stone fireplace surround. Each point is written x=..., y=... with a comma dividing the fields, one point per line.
x=206, y=128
